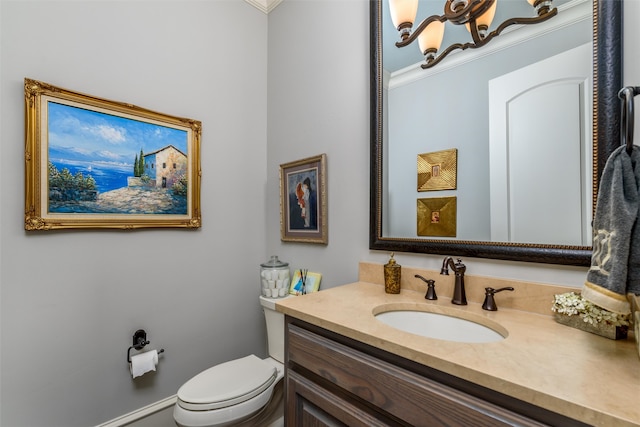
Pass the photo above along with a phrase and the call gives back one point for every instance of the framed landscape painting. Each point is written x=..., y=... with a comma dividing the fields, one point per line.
x=95, y=163
x=303, y=200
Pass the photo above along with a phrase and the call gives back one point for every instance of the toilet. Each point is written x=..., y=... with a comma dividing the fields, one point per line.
x=241, y=390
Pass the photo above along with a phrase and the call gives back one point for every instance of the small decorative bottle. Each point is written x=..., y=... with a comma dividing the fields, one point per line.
x=392, y=272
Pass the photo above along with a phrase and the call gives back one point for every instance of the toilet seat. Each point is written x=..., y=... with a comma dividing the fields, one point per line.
x=227, y=384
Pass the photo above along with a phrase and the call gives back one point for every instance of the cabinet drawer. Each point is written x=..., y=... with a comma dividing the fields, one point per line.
x=313, y=405
x=402, y=394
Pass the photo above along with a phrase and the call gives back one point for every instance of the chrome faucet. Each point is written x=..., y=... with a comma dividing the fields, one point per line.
x=459, y=295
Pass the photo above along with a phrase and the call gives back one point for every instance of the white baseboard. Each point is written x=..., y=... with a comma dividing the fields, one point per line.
x=140, y=414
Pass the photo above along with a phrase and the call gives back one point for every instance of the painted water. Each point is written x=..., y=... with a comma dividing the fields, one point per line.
x=107, y=176
x=114, y=195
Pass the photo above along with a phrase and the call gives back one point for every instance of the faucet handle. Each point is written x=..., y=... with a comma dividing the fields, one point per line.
x=460, y=268
x=489, y=303
x=431, y=288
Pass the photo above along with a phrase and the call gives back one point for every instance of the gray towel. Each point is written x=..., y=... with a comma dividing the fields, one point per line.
x=633, y=270
x=615, y=263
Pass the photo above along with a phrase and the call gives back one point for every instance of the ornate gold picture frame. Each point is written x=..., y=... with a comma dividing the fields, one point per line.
x=437, y=217
x=438, y=170
x=303, y=200
x=95, y=163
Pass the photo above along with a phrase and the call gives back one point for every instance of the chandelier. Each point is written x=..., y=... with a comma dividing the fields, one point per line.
x=475, y=15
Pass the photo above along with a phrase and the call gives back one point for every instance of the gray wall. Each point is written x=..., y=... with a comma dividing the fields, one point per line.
x=72, y=300
x=318, y=102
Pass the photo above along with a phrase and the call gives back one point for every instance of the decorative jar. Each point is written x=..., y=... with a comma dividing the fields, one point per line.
x=274, y=278
x=392, y=275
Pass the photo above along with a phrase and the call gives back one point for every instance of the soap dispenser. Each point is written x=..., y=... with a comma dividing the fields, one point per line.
x=392, y=273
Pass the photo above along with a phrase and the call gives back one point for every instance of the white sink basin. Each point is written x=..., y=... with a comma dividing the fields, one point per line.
x=439, y=326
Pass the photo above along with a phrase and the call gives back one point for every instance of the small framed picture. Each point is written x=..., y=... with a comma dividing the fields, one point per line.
x=303, y=200
x=438, y=170
x=437, y=216
x=304, y=282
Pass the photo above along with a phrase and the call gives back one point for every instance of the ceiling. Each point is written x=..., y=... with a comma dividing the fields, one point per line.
x=398, y=58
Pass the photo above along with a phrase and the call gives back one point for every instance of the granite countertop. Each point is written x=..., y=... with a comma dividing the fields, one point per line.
x=583, y=376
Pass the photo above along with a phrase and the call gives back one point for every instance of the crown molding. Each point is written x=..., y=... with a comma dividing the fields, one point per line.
x=264, y=5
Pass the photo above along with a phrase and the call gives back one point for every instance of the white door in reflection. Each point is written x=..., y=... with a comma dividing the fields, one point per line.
x=534, y=111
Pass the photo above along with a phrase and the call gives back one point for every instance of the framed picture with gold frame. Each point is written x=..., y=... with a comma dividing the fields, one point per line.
x=437, y=216
x=303, y=200
x=438, y=170
x=95, y=163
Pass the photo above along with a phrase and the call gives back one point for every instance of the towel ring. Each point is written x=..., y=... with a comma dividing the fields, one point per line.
x=626, y=94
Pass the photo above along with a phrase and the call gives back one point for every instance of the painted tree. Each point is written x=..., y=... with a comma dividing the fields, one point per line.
x=65, y=180
x=141, y=164
x=136, y=170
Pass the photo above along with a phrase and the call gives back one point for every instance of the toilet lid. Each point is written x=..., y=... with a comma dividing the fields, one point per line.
x=227, y=384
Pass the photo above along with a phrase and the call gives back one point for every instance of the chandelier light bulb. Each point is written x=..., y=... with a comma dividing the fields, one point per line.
x=476, y=15
x=430, y=39
x=403, y=15
x=483, y=22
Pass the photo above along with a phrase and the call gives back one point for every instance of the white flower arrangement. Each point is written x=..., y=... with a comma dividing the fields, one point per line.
x=571, y=304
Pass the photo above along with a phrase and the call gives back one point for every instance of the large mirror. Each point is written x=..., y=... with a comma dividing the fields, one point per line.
x=417, y=113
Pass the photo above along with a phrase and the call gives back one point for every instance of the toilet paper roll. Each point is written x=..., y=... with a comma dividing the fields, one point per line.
x=143, y=363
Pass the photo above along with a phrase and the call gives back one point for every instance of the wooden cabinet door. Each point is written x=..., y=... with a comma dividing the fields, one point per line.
x=310, y=405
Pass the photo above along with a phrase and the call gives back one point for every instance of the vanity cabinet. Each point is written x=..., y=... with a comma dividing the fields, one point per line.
x=332, y=380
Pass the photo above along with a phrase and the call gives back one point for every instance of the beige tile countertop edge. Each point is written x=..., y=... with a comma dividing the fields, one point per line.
x=583, y=376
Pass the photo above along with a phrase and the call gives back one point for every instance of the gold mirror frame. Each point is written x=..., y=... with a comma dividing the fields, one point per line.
x=607, y=81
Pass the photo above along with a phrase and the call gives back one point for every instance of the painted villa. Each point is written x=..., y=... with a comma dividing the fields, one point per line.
x=165, y=166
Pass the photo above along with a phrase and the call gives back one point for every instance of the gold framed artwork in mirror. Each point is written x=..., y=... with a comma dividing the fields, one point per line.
x=437, y=216
x=438, y=170
x=95, y=163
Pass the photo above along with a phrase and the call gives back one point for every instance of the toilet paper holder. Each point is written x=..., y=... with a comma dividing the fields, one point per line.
x=139, y=341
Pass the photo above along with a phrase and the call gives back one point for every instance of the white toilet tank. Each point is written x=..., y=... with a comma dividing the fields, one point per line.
x=275, y=328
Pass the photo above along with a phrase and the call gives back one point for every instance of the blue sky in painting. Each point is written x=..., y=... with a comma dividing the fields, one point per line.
x=76, y=135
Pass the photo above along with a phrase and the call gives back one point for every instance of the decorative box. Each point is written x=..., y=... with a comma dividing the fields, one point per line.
x=603, y=329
